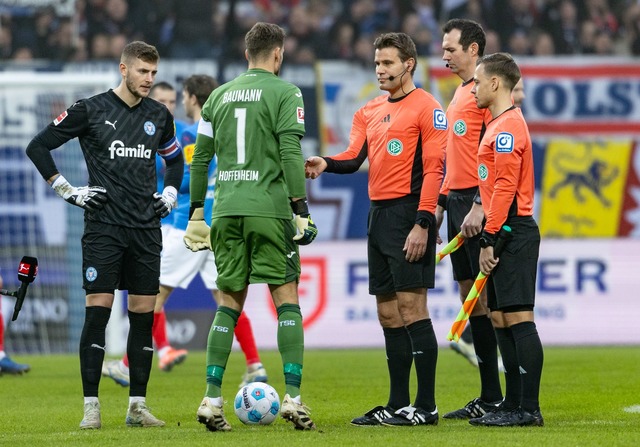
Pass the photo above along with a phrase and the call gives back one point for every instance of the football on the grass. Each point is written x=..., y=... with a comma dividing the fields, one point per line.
x=257, y=403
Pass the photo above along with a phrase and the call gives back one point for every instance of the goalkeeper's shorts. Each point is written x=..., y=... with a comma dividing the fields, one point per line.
x=116, y=257
x=251, y=250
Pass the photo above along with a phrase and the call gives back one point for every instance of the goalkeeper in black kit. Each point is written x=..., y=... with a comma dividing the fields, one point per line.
x=120, y=131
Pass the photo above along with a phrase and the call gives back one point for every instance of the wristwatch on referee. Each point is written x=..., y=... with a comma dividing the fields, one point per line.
x=477, y=199
x=425, y=219
x=487, y=240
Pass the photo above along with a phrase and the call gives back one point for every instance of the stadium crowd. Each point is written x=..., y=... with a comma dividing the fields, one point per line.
x=80, y=30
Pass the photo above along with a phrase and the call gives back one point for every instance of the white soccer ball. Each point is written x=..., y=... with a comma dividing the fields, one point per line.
x=257, y=403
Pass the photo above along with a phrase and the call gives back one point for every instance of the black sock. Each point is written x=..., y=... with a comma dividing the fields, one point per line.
x=467, y=335
x=513, y=389
x=425, y=356
x=399, y=359
x=140, y=352
x=92, y=348
x=531, y=358
x=486, y=347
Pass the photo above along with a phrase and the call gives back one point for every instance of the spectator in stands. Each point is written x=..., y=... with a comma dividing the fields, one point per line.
x=542, y=44
x=632, y=25
x=420, y=34
x=603, y=44
x=6, y=38
x=192, y=35
x=588, y=31
x=494, y=44
x=560, y=18
x=362, y=50
x=519, y=43
x=342, y=38
x=599, y=12
x=513, y=16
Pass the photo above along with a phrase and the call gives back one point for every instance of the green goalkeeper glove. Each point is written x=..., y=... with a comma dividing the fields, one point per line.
x=197, y=236
x=307, y=230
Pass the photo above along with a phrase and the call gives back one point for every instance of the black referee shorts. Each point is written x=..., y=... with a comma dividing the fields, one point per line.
x=513, y=280
x=390, y=222
x=116, y=257
x=465, y=261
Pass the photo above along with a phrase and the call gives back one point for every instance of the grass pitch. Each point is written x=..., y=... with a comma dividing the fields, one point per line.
x=589, y=397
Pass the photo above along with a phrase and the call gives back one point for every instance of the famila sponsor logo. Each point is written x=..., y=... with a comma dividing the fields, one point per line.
x=118, y=149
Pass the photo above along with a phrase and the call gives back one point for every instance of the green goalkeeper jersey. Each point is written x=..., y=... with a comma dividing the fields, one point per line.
x=253, y=124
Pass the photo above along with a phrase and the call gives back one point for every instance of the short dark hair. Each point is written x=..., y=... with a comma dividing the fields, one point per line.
x=502, y=65
x=200, y=86
x=470, y=32
x=162, y=85
x=262, y=38
x=405, y=45
x=139, y=50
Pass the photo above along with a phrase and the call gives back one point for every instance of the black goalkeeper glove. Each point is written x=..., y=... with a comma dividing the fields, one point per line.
x=90, y=198
x=165, y=202
x=307, y=230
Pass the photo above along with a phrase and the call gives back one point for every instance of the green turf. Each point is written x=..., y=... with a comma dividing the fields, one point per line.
x=583, y=397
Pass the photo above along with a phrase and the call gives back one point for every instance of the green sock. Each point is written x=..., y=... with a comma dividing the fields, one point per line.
x=291, y=346
x=219, y=347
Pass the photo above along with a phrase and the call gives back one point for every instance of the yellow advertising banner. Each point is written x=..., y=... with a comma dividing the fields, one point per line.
x=583, y=187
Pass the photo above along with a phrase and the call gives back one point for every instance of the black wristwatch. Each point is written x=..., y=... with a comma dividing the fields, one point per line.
x=477, y=199
x=423, y=222
x=487, y=240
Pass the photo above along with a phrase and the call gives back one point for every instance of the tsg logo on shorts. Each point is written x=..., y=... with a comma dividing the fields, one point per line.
x=504, y=142
x=439, y=120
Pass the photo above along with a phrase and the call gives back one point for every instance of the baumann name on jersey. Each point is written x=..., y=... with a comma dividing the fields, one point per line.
x=248, y=175
x=117, y=148
x=253, y=94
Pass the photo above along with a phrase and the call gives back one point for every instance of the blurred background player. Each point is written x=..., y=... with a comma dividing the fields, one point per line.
x=164, y=93
x=8, y=366
x=463, y=43
x=178, y=265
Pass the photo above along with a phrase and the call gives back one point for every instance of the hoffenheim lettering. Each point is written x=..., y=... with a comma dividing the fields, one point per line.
x=118, y=148
x=244, y=174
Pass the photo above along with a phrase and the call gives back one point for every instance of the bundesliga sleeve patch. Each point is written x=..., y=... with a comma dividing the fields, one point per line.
x=300, y=115
x=504, y=142
x=439, y=120
x=60, y=117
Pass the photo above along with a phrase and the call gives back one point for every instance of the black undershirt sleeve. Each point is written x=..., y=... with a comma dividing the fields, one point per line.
x=347, y=166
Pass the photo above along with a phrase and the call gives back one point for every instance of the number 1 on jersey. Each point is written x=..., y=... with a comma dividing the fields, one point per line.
x=241, y=116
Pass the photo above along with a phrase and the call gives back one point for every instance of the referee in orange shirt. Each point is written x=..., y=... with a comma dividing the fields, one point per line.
x=505, y=174
x=463, y=43
x=403, y=135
